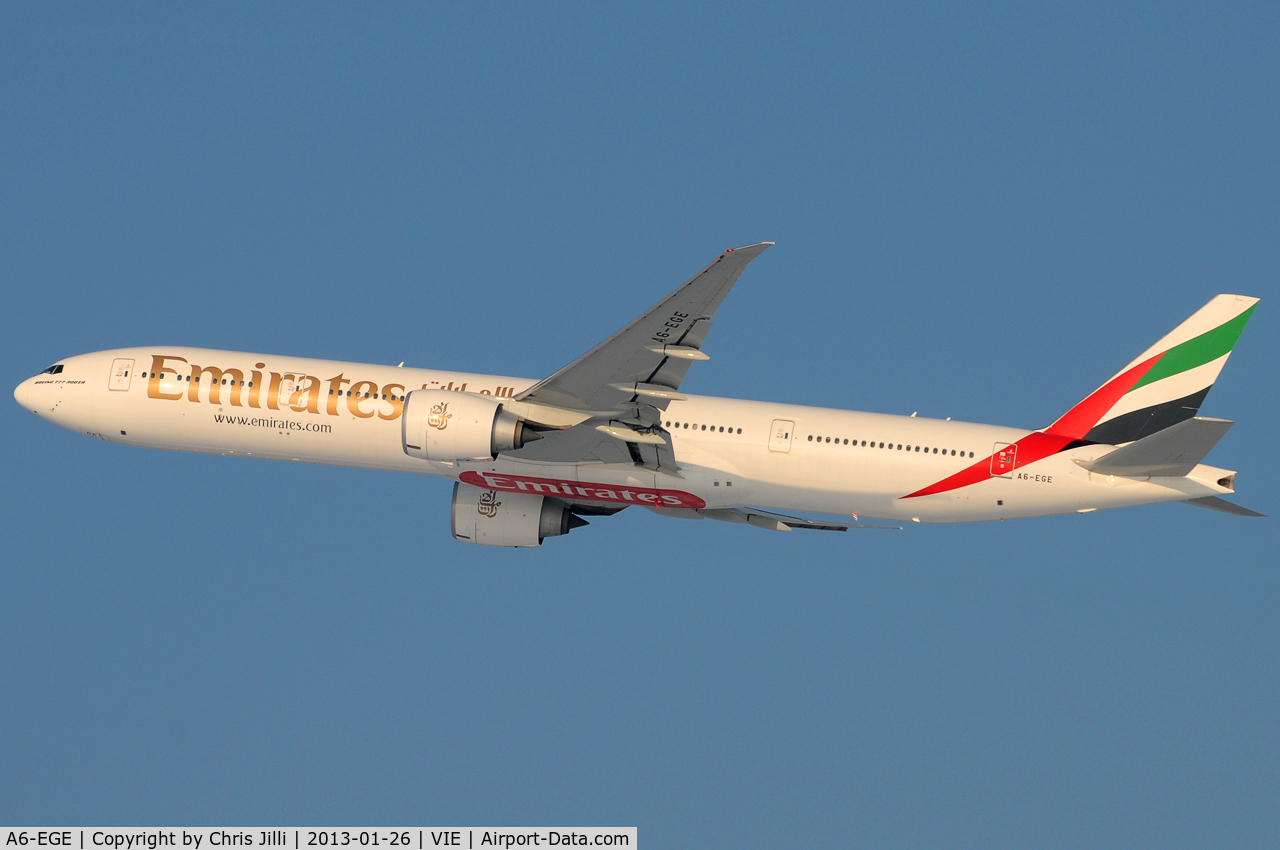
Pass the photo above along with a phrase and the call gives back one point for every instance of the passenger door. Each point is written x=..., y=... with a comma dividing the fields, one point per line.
x=780, y=435
x=289, y=385
x=121, y=372
x=1003, y=459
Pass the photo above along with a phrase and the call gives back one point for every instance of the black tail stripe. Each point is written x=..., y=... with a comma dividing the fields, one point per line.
x=1143, y=423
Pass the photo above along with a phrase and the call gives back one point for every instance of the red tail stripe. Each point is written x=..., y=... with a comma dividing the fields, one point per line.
x=1079, y=420
x=1031, y=448
x=1071, y=426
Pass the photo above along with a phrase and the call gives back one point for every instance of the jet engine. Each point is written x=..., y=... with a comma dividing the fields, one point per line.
x=447, y=425
x=492, y=518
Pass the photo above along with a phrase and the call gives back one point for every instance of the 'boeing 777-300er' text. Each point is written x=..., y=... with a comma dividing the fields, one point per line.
x=612, y=430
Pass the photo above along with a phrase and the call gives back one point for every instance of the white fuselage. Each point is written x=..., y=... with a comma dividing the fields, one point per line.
x=348, y=414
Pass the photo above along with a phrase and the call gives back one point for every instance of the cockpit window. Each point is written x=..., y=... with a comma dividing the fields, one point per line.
x=53, y=370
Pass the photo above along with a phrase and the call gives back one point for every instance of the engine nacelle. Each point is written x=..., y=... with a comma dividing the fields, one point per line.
x=490, y=518
x=447, y=425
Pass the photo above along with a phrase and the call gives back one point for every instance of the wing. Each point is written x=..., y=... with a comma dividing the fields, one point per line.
x=642, y=365
x=765, y=519
x=782, y=522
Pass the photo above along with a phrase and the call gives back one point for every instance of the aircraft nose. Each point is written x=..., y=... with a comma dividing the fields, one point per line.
x=21, y=392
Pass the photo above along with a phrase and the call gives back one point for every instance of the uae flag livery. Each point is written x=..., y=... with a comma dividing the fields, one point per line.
x=1182, y=368
x=1163, y=386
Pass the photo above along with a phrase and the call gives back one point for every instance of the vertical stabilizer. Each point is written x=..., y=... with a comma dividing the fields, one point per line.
x=1164, y=385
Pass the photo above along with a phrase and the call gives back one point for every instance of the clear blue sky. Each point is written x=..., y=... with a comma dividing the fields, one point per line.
x=980, y=213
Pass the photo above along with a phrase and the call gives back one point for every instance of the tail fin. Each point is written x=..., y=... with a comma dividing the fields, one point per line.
x=1166, y=384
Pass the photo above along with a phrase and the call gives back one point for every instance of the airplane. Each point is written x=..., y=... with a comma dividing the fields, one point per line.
x=530, y=459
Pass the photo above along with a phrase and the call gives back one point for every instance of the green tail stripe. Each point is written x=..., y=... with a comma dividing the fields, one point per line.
x=1197, y=351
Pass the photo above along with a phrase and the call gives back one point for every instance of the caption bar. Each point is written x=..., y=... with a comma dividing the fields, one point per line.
x=296, y=838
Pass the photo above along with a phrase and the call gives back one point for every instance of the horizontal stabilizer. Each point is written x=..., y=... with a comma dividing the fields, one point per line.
x=1172, y=452
x=780, y=522
x=1213, y=503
